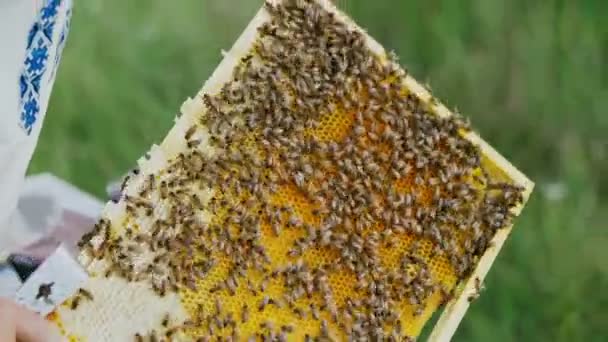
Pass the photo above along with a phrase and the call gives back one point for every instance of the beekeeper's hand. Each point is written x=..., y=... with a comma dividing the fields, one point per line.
x=20, y=324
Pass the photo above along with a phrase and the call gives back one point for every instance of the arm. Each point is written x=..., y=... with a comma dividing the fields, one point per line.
x=32, y=35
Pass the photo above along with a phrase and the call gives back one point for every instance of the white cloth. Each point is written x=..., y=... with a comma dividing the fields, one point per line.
x=32, y=36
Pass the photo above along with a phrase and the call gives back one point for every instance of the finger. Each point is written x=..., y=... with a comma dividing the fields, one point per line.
x=29, y=326
x=7, y=322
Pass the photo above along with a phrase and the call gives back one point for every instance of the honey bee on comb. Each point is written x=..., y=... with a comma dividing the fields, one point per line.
x=334, y=198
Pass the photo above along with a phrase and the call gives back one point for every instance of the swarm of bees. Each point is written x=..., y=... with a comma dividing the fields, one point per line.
x=341, y=206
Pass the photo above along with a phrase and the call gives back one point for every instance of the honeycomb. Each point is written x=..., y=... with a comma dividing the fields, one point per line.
x=316, y=197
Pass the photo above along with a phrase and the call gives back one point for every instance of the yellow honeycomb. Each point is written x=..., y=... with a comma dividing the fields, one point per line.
x=333, y=126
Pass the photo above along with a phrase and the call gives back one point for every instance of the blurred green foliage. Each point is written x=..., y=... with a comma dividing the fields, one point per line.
x=532, y=76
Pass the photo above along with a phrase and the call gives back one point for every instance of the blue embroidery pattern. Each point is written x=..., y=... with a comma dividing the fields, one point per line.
x=37, y=53
x=62, y=37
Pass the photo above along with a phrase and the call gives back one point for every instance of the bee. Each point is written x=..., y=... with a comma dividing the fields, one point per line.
x=218, y=306
x=218, y=322
x=245, y=314
x=235, y=334
x=477, y=291
x=108, y=272
x=324, y=329
x=160, y=289
x=124, y=183
x=163, y=190
x=263, y=303
x=135, y=248
x=252, y=287
x=45, y=290
x=75, y=303
x=194, y=143
x=359, y=130
x=130, y=209
x=147, y=187
x=209, y=103
x=165, y=321
x=217, y=287
x=287, y=328
x=276, y=228
x=266, y=325
x=299, y=312
x=263, y=285
x=190, y=132
x=169, y=333
x=314, y=311
x=85, y=293
x=231, y=285
x=190, y=283
x=196, y=201
x=278, y=303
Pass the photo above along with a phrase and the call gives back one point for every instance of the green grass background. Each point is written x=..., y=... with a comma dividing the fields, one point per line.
x=532, y=76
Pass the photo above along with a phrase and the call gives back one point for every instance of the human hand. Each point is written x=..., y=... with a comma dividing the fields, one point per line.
x=19, y=324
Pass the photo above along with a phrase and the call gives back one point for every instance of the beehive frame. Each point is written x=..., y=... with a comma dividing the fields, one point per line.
x=192, y=108
x=455, y=310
